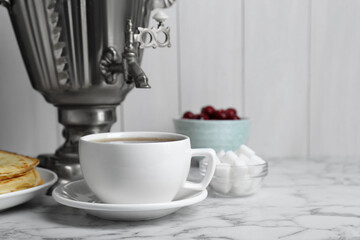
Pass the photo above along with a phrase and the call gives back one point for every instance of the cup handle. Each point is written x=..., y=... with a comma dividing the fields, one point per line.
x=212, y=159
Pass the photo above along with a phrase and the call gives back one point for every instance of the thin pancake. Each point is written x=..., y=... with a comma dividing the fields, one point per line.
x=13, y=165
x=27, y=180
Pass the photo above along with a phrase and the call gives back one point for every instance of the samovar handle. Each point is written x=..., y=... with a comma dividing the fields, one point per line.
x=149, y=37
x=5, y=3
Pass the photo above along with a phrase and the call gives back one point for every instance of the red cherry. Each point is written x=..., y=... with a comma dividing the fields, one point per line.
x=202, y=116
x=230, y=113
x=189, y=115
x=208, y=110
x=237, y=117
x=220, y=115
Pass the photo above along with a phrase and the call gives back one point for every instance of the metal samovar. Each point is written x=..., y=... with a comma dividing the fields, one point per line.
x=84, y=57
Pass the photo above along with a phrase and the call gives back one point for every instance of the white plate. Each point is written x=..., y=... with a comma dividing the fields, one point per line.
x=12, y=199
x=78, y=195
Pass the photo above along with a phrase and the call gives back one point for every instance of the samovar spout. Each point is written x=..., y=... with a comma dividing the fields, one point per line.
x=130, y=67
x=133, y=73
x=140, y=78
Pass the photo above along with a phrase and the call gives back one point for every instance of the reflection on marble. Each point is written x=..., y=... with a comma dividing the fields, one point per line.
x=300, y=199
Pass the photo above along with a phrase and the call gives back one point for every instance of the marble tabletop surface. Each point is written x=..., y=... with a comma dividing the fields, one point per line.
x=300, y=199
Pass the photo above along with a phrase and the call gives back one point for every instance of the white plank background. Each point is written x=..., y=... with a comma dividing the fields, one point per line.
x=276, y=75
x=335, y=78
x=291, y=66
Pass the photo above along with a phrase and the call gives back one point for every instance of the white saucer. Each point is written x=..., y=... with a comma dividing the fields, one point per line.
x=12, y=199
x=78, y=195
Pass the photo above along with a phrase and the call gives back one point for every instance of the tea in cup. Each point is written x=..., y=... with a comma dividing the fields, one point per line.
x=140, y=167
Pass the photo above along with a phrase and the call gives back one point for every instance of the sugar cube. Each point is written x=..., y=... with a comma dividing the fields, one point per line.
x=220, y=154
x=230, y=158
x=221, y=185
x=239, y=170
x=246, y=150
x=223, y=170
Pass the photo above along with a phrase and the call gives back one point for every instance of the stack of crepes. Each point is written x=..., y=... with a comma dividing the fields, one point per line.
x=18, y=172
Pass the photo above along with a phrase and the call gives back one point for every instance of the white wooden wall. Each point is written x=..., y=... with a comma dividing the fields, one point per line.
x=291, y=66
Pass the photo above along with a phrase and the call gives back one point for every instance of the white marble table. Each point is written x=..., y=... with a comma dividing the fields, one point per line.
x=301, y=199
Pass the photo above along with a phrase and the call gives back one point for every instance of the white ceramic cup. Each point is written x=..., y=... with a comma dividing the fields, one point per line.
x=141, y=172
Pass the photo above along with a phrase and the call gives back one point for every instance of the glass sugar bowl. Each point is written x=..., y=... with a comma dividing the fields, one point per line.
x=236, y=181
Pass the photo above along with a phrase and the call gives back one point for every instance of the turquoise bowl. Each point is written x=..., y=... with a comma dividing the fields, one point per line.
x=216, y=134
